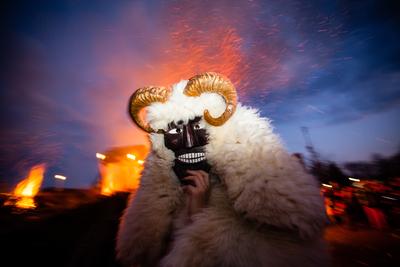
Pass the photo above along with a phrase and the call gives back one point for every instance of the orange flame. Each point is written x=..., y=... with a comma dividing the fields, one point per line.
x=120, y=170
x=26, y=190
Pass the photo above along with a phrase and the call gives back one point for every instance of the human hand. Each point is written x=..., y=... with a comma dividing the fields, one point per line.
x=198, y=192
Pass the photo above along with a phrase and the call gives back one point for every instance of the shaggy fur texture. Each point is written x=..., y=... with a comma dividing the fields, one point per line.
x=265, y=211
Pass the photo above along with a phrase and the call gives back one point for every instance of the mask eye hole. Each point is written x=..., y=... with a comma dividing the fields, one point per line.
x=175, y=131
x=198, y=126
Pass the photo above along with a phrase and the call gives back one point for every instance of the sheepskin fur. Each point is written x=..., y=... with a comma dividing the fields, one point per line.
x=265, y=211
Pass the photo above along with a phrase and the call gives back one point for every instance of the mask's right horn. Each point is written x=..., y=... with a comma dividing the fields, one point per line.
x=211, y=82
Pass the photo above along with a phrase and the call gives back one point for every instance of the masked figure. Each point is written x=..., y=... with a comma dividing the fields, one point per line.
x=262, y=209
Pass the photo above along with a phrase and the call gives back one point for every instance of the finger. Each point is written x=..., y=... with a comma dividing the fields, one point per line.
x=205, y=179
x=203, y=174
x=195, y=179
x=197, y=187
x=202, y=180
x=197, y=172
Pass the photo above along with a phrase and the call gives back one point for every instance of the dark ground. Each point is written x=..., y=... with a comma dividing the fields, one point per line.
x=77, y=228
x=363, y=246
x=62, y=233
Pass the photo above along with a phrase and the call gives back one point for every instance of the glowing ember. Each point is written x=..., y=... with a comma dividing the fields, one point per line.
x=26, y=190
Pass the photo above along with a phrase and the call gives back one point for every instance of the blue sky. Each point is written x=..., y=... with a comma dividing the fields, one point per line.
x=69, y=67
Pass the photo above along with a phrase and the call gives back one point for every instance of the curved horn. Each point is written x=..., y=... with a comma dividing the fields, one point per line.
x=214, y=83
x=143, y=97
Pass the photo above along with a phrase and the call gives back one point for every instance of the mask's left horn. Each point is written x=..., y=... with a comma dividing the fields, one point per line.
x=142, y=98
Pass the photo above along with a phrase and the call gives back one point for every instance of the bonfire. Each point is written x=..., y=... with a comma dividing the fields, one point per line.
x=25, y=191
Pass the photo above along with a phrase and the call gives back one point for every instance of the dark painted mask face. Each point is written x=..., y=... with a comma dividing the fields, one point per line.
x=187, y=141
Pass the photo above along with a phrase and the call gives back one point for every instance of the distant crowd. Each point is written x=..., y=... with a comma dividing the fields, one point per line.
x=367, y=203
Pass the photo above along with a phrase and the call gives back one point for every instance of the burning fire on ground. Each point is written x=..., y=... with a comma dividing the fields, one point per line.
x=120, y=169
x=26, y=190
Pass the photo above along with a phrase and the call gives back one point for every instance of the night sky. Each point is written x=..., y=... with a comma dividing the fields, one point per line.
x=69, y=67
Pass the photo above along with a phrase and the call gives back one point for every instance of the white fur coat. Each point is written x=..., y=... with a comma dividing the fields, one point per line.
x=266, y=211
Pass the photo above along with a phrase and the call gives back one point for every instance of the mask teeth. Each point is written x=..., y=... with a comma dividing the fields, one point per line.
x=192, y=157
